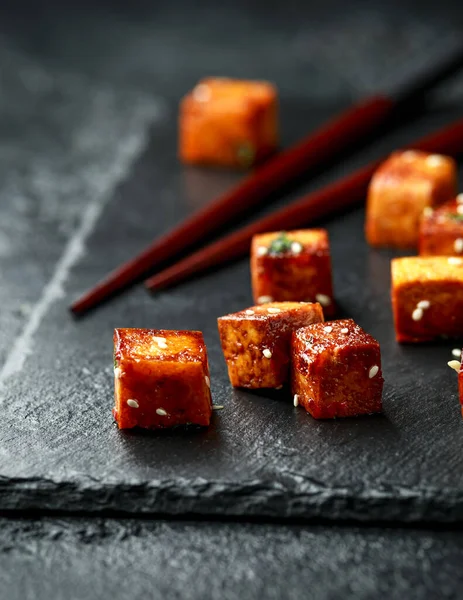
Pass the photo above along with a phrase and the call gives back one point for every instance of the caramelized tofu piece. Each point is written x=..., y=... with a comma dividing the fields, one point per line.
x=293, y=266
x=228, y=122
x=441, y=230
x=402, y=187
x=256, y=341
x=427, y=297
x=336, y=370
x=161, y=378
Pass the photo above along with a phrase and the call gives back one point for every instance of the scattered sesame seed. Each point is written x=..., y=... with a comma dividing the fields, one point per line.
x=454, y=260
x=454, y=364
x=249, y=311
x=460, y=198
x=417, y=314
x=460, y=209
x=428, y=211
x=456, y=352
x=202, y=93
x=323, y=299
x=458, y=245
x=409, y=155
x=133, y=403
x=344, y=330
x=296, y=400
x=267, y=353
x=161, y=342
x=262, y=250
x=328, y=329
x=373, y=371
x=217, y=407
x=264, y=299
x=117, y=372
x=274, y=310
x=208, y=381
x=434, y=160
x=296, y=248
x=423, y=304
x=161, y=412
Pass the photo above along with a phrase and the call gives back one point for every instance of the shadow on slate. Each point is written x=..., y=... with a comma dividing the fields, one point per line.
x=261, y=457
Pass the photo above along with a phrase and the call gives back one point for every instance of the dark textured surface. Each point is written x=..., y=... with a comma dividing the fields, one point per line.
x=90, y=176
x=99, y=559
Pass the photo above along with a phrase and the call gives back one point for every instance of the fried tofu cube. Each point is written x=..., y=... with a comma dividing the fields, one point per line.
x=441, y=230
x=402, y=187
x=293, y=266
x=228, y=122
x=427, y=297
x=161, y=378
x=256, y=341
x=336, y=370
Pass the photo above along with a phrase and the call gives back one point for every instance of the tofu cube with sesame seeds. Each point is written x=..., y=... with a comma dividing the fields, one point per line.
x=256, y=341
x=441, y=230
x=336, y=370
x=293, y=266
x=407, y=184
x=228, y=122
x=161, y=379
x=427, y=297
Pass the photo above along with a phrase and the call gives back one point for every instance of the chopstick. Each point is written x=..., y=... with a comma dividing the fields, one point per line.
x=340, y=195
x=312, y=152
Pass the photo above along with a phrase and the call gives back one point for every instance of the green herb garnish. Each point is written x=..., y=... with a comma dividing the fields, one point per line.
x=246, y=154
x=115, y=362
x=280, y=244
x=455, y=217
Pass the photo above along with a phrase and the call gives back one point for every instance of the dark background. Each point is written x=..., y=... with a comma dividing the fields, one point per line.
x=88, y=97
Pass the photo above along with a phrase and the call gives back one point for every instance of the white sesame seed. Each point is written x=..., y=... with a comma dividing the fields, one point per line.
x=434, y=160
x=217, y=407
x=417, y=314
x=296, y=248
x=373, y=371
x=328, y=329
x=133, y=403
x=409, y=155
x=249, y=311
x=460, y=209
x=267, y=353
x=208, y=381
x=161, y=412
x=344, y=330
x=161, y=342
x=458, y=245
x=202, y=93
x=274, y=310
x=423, y=304
x=454, y=364
x=428, y=211
x=264, y=299
x=117, y=372
x=454, y=260
x=296, y=400
x=262, y=251
x=323, y=299
x=456, y=352
x=460, y=198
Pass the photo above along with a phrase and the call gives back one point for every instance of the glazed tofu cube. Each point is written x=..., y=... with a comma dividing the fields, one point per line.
x=441, y=229
x=256, y=341
x=292, y=266
x=427, y=297
x=228, y=122
x=402, y=187
x=336, y=370
x=161, y=378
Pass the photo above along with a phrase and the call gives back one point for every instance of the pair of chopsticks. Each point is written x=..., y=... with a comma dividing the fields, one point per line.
x=312, y=152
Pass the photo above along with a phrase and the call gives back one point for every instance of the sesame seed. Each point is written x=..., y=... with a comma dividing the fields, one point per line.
x=202, y=93
x=262, y=251
x=274, y=310
x=117, y=372
x=279, y=387
x=428, y=211
x=423, y=304
x=161, y=412
x=217, y=407
x=296, y=248
x=373, y=371
x=133, y=403
x=249, y=311
x=460, y=209
x=264, y=299
x=344, y=330
x=323, y=299
x=296, y=400
x=208, y=381
x=267, y=353
x=454, y=260
x=458, y=245
x=417, y=314
x=456, y=352
x=460, y=198
x=328, y=329
x=434, y=160
x=409, y=155
x=454, y=364
x=160, y=341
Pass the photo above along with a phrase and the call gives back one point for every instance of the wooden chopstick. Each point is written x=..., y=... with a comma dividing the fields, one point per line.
x=314, y=151
x=335, y=197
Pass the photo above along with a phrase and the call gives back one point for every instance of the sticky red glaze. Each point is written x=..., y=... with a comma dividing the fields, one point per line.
x=330, y=370
x=172, y=379
x=438, y=232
